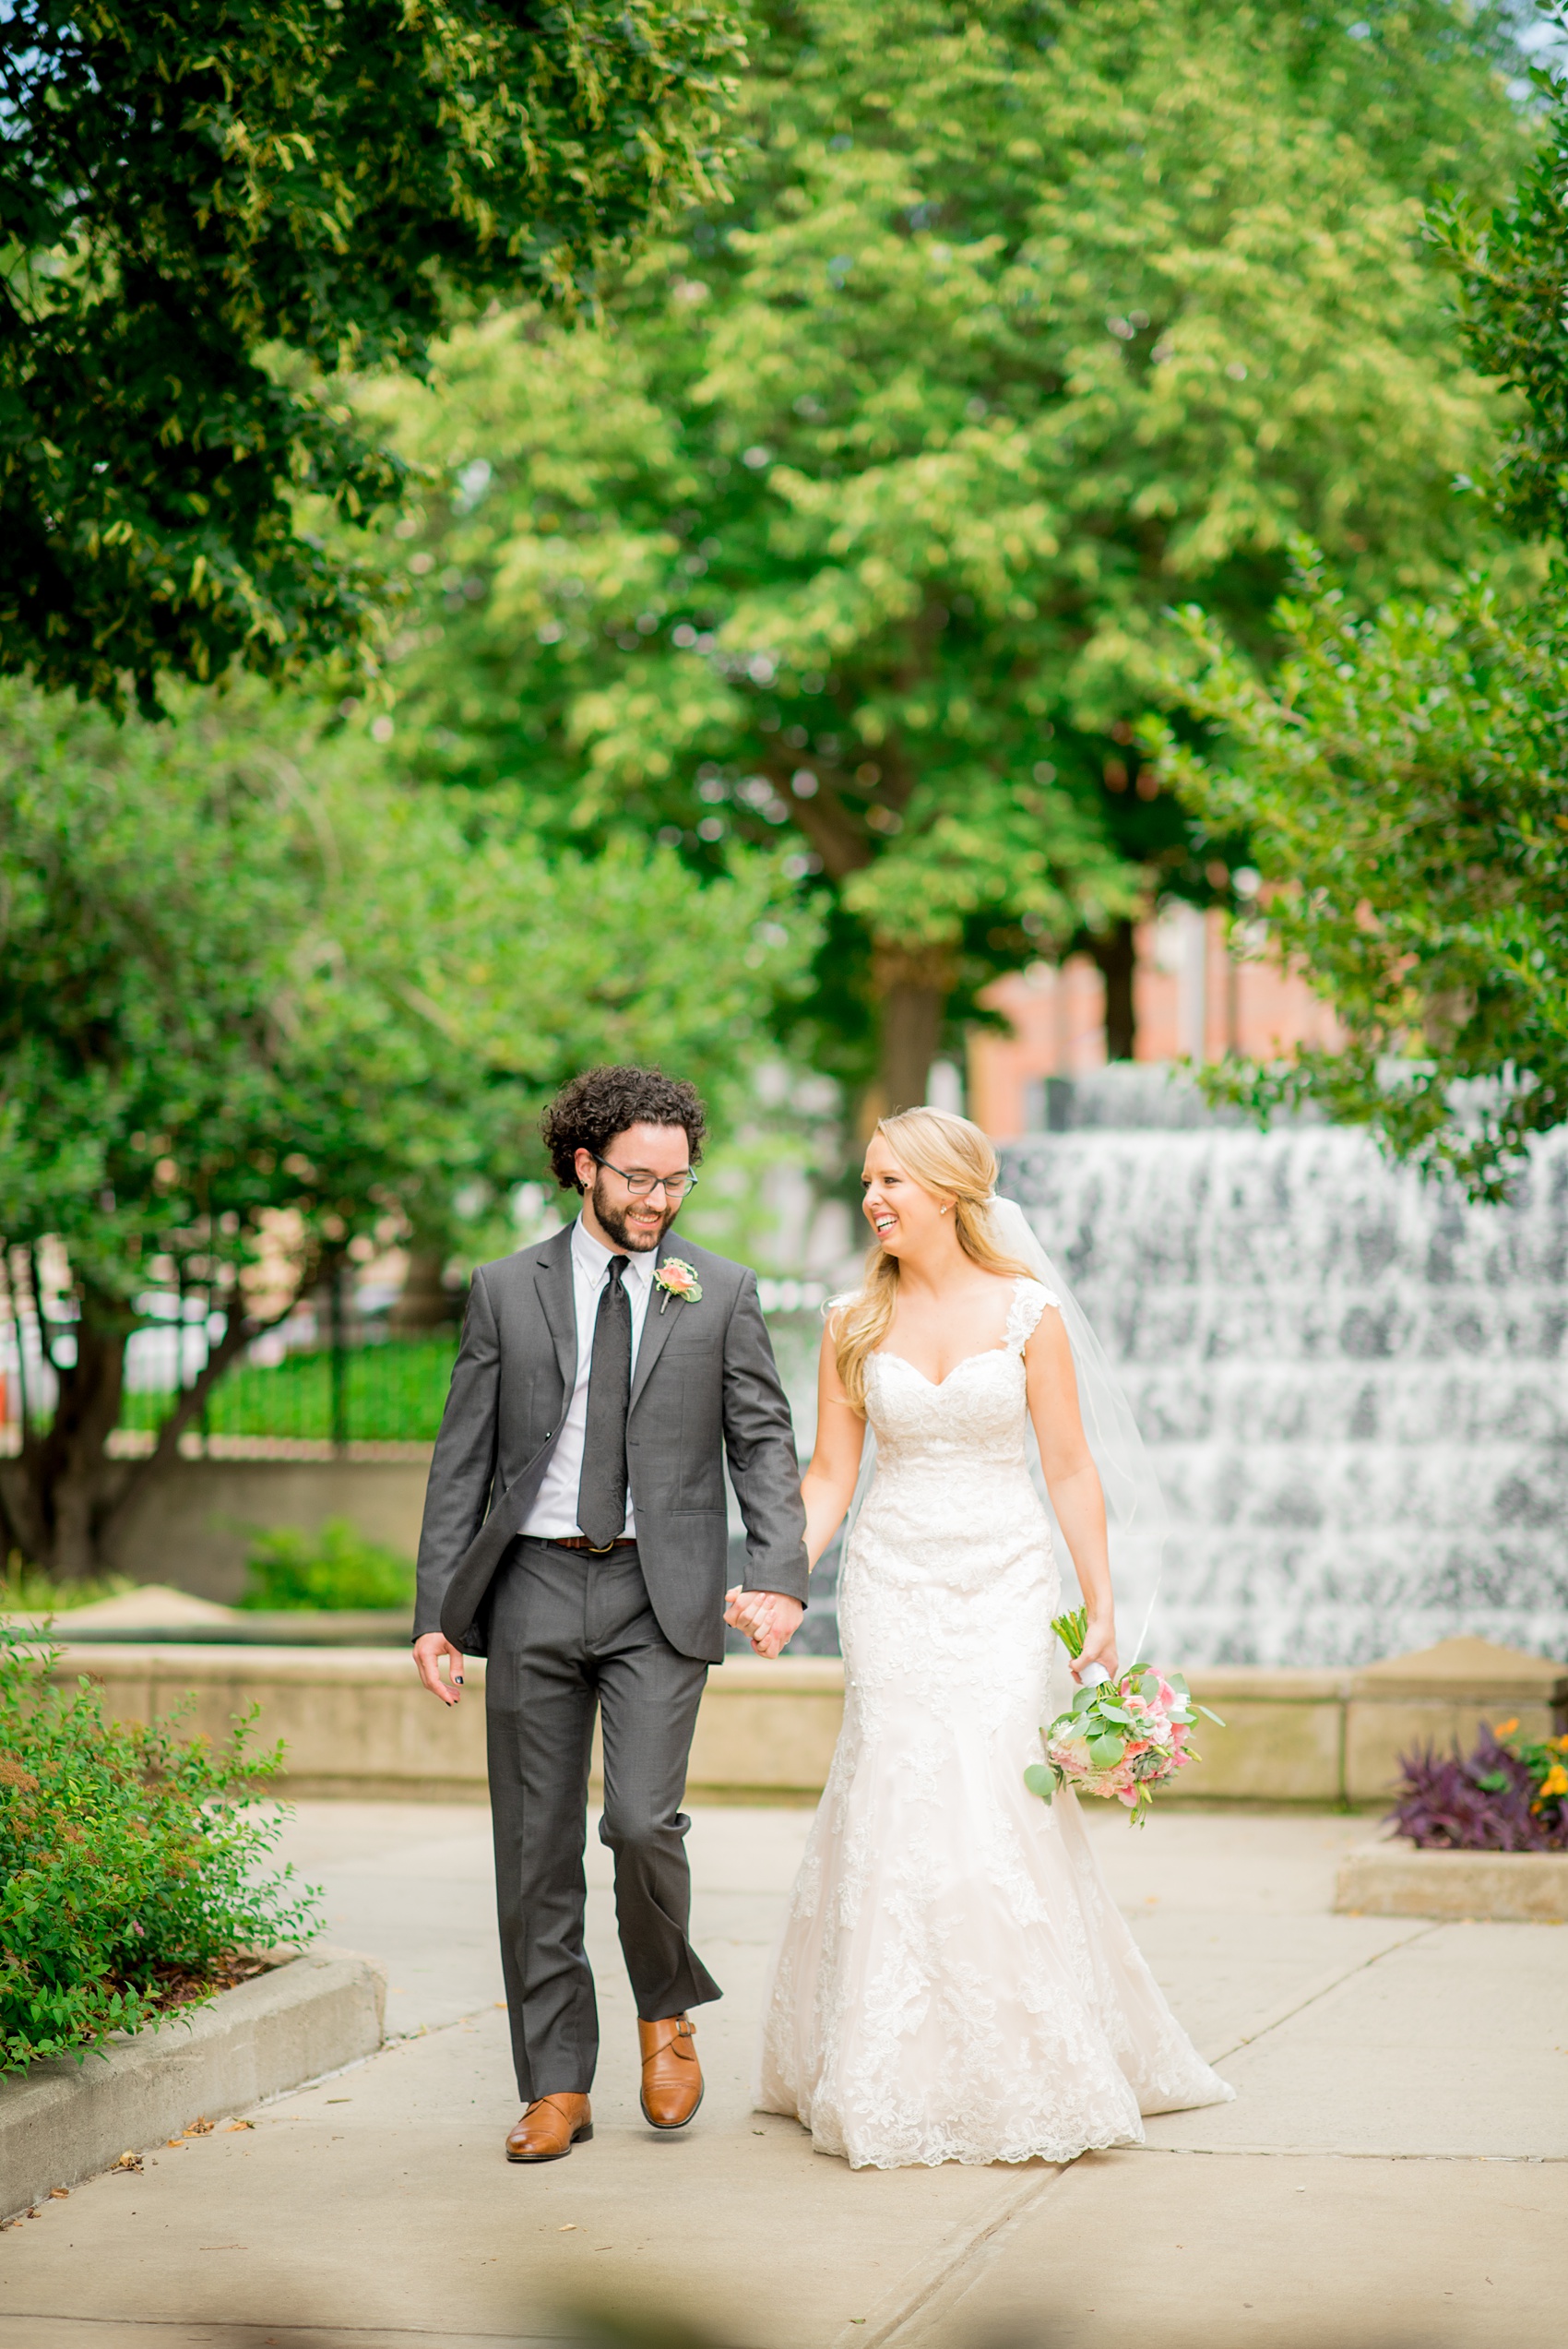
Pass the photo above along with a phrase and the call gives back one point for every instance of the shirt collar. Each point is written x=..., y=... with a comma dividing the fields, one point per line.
x=592, y=1255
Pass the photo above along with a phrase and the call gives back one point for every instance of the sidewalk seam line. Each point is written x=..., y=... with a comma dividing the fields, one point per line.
x=1280, y=2017
x=1340, y=2153
x=262, y=2324
x=925, y=2293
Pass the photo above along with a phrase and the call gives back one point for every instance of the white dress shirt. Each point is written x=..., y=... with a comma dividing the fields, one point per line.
x=554, y=1512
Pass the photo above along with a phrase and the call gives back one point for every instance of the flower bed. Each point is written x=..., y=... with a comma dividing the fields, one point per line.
x=130, y=1866
x=1510, y=1794
x=1477, y=1835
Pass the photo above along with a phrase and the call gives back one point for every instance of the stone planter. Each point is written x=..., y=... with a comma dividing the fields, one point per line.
x=1398, y=1879
x=63, y=2121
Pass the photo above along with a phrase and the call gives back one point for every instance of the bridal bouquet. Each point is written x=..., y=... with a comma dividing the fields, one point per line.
x=1121, y=1738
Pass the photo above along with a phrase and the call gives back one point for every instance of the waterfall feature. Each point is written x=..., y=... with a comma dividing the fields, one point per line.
x=1354, y=1384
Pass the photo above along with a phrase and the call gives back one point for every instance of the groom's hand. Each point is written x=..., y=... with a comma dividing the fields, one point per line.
x=769, y=1619
x=428, y=1653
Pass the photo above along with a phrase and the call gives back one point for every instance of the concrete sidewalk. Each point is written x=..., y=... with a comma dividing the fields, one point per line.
x=1395, y=2167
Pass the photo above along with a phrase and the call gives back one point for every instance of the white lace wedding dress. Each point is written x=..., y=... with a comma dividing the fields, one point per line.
x=955, y=1982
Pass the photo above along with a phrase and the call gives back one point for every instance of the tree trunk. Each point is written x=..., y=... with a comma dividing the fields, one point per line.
x=913, y=987
x=424, y=1303
x=58, y=1491
x=63, y=1500
x=1117, y=959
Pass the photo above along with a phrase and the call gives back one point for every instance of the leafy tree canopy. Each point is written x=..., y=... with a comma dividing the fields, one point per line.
x=1401, y=781
x=861, y=519
x=258, y=1004
x=1511, y=268
x=181, y=185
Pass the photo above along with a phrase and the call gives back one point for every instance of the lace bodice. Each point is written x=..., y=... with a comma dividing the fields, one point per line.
x=952, y=1496
x=979, y=1410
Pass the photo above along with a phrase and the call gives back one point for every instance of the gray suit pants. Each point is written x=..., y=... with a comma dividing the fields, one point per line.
x=570, y=1632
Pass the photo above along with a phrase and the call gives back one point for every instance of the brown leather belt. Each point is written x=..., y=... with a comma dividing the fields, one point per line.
x=581, y=1541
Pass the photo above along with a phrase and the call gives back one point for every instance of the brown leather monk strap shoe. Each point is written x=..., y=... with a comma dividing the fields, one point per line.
x=672, y=2074
x=550, y=2128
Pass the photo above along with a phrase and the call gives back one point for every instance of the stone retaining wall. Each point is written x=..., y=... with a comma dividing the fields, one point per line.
x=202, y=1512
x=357, y=1724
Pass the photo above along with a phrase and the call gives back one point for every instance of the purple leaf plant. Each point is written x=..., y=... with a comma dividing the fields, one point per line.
x=1490, y=1801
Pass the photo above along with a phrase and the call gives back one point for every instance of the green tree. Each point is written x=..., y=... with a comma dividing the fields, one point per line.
x=1511, y=265
x=862, y=518
x=182, y=186
x=257, y=1002
x=1401, y=782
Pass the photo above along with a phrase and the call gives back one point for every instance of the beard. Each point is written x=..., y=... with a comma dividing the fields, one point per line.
x=613, y=1220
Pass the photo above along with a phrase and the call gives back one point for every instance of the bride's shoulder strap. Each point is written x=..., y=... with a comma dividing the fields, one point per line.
x=1030, y=1301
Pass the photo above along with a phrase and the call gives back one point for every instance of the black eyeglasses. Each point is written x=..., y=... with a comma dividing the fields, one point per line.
x=642, y=1186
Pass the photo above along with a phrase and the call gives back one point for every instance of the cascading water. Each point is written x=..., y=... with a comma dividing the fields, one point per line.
x=1354, y=1384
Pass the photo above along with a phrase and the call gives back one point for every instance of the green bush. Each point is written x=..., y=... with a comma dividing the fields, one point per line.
x=336, y=1567
x=129, y=1864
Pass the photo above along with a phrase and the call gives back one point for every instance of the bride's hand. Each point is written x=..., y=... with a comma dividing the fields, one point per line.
x=1099, y=1647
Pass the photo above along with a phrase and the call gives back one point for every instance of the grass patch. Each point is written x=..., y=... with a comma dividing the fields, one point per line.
x=26, y=1589
x=393, y=1394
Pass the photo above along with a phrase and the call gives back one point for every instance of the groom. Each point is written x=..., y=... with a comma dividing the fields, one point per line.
x=575, y=1533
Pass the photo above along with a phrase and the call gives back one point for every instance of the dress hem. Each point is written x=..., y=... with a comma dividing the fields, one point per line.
x=971, y=2157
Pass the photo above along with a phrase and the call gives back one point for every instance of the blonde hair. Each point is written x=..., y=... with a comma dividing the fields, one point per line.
x=950, y=1157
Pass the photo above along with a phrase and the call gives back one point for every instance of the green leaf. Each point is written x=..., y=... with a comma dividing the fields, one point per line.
x=177, y=391
x=857, y=528
x=253, y=971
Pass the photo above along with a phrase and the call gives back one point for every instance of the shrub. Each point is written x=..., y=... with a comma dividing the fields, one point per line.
x=336, y=1567
x=130, y=1875
x=1511, y=1795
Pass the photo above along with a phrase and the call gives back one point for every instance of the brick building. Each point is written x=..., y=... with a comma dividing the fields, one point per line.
x=1193, y=999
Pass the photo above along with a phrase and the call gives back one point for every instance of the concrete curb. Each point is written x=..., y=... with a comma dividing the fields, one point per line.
x=61, y=2121
x=1396, y=1879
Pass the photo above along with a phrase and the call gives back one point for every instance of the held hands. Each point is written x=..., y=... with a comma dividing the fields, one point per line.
x=769, y=1619
x=428, y=1653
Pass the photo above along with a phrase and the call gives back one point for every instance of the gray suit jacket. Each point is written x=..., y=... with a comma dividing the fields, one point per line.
x=704, y=1387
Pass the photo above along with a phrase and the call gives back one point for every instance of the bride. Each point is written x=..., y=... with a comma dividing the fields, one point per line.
x=955, y=1982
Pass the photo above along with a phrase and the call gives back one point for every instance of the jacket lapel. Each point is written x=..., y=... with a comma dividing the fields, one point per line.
x=553, y=1279
x=657, y=1322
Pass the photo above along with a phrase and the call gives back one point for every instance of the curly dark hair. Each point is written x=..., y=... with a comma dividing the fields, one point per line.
x=602, y=1101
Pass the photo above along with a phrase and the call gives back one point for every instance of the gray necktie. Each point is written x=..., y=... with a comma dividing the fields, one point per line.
x=601, y=1490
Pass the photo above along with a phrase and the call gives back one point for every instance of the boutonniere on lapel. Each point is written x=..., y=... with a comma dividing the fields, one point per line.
x=678, y=1279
